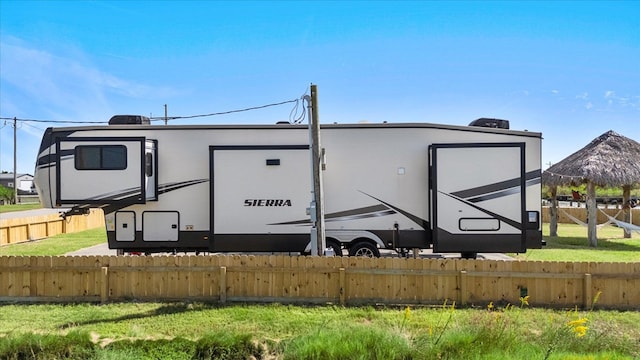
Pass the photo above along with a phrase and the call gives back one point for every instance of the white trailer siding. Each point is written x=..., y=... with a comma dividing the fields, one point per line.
x=377, y=183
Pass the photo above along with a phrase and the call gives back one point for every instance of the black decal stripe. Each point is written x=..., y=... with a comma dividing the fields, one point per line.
x=363, y=216
x=495, y=195
x=535, y=174
x=117, y=195
x=534, y=181
x=50, y=159
x=49, y=140
x=132, y=196
x=513, y=223
x=421, y=222
x=45, y=166
x=355, y=214
x=499, y=189
x=110, y=208
x=165, y=188
x=486, y=189
x=295, y=222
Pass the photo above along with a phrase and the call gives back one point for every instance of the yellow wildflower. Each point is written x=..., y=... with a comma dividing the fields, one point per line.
x=407, y=313
x=578, y=322
x=596, y=298
x=580, y=331
x=490, y=306
x=524, y=301
x=577, y=326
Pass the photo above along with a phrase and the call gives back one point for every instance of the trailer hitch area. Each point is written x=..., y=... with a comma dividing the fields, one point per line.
x=74, y=211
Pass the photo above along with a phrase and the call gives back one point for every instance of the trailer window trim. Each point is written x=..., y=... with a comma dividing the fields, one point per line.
x=100, y=157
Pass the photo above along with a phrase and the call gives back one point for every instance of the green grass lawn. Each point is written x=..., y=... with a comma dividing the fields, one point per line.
x=19, y=207
x=572, y=245
x=184, y=331
x=57, y=245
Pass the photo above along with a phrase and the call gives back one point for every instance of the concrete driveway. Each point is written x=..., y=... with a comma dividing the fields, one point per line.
x=103, y=249
x=30, y=213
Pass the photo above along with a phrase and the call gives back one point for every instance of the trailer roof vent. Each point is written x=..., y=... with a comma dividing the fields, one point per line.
x=129, y=120
x=492, y=123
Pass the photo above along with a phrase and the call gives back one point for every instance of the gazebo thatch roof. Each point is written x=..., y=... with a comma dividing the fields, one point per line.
x=610, y=160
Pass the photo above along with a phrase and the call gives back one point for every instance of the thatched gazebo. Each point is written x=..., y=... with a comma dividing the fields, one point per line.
x=610, y=160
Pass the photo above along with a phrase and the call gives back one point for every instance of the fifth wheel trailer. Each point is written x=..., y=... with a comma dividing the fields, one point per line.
x=247, y=188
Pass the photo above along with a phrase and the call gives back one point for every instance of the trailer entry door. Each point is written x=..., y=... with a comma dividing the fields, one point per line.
x=478, y=197
x=259, y=197
x=100, y=170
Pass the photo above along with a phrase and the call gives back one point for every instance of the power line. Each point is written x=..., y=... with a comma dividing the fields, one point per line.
x=32, y=126
x=56, y=121
x=224, y=112
x=159, y=118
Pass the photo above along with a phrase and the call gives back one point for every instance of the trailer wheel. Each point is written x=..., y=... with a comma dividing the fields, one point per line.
x=337, y=249
x=364, y=248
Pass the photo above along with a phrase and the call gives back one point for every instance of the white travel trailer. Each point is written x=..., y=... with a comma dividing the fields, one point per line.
x=247, y=188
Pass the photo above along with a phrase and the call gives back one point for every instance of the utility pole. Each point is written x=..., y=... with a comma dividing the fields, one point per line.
x=15, y=162
x=165, y=114
x=316, y=211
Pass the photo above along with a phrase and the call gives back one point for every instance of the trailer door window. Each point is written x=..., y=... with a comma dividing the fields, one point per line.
x=101, y=157
x=148, y=164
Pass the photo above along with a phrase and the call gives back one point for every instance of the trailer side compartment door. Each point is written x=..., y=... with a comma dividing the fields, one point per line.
x=125, y=225
x=101, y=170
x=160, y=225
x=478, y=197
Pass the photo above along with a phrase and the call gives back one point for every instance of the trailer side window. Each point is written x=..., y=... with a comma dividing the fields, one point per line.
x=101, y=157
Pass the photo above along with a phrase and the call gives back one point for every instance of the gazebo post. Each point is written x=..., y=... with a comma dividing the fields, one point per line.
x=553, y=212
x=626, y=208
x=592, y=212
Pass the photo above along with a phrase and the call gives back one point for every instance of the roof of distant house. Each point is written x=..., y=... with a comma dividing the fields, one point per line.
x=10, y=175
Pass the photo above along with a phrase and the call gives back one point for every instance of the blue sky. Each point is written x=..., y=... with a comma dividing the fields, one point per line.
x=570, y=70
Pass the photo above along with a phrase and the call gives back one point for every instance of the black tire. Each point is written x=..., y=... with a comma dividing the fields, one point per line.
x=469, y=255
x=337, y=249
x=364, y=248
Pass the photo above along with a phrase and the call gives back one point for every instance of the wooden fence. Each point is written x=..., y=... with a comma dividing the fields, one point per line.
x=339, y=280
x=17, y=230
x=581, y=213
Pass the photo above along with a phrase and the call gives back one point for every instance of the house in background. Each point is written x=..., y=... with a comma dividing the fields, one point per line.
x=25, y=182
x=26, y=187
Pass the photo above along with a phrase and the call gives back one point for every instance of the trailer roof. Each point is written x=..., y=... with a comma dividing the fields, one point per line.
x=299, y=126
